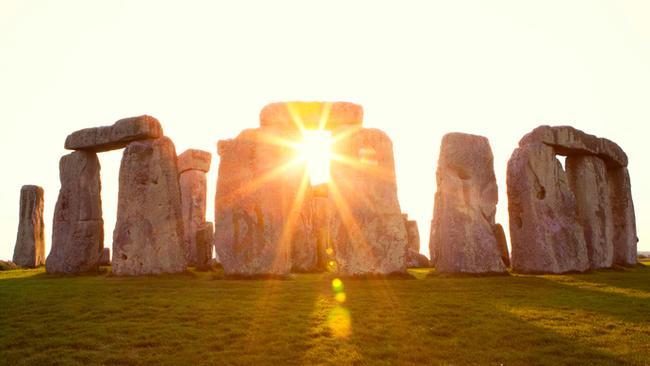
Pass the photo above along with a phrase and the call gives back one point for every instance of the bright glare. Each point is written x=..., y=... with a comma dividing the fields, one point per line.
x=315, y=151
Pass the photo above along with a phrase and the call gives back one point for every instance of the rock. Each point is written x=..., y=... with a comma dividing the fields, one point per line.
x=7, y=265
x=78, y=229
x=193, y=200
x=148, y=235
x=500, y=236
x=291, y=115
x=105, y=258
x=367, y=230
x=310, y=251
x=416, y=259
x=587, y=176
x=569, y=141
x=413, y=235
x=257, y=204
x=624, y=222
x=30, y=242
x=204, y=239
x=544, y=230
x=117, y=136
x=465, y=207
x=193, y=159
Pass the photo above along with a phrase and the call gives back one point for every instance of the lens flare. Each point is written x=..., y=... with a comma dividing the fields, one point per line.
x=339, y=322
x=340, y=297
x=337, y=285
x=315, y=152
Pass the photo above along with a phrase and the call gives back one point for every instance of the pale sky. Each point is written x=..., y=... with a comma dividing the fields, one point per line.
x=419, y=68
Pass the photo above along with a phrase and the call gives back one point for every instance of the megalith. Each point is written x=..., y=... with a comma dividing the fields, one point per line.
x=270, y=220
x=599, y=186
x=544, y=230
x=105, y=258
x=413, y=256
x=30, y=241
x=367, y=231
x=624, y=221
x=587, y=175
x=148, y=235
x=257, y=202
x=204, y=237
x=78, y=227
x=465, y=206
x=193, y=166
x=116, y=136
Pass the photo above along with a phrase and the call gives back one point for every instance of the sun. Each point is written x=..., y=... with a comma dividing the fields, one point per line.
x=315, y=151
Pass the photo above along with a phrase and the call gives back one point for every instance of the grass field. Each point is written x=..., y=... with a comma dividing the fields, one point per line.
x=600, y=318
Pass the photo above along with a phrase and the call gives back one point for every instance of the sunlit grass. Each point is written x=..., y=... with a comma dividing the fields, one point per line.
x=601, y=318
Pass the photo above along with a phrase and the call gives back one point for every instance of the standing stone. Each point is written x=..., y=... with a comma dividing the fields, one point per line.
x=30, y=242
x=193, y=164
x=204, y=239
x=587, y=177
x=105, y=259
x=413, y=235
x=624, y=222
x=544, y=231
x=367, y=230
x=465, y=207
x=502, y=243
x=258, y=202
x=148, y=235
x=78, y=228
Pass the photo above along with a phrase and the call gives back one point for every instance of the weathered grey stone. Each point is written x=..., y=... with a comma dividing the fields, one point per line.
x=500, y=236
x=416, y=259
x=465, y=207
x=193, y=159
x=204, y=239
x=367, y=230
x=105, y=258
x=587, y=176
x=193, y=200
x=148, y=235
x=78, y=228
x=310, y=115
x=256, y=205
x=117, y=136
x=544, y=230
x=30, y=242
x=413, y=234
x=306, y=245
x=624, y=222
x=568, y=141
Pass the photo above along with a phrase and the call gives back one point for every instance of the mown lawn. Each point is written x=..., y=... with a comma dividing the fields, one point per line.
x=600, y=318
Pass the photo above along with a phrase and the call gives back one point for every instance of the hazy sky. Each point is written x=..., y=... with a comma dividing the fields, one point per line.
x=419, y=68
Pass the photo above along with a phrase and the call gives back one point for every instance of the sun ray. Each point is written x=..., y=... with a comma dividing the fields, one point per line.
x=325, y=115
x=252, y=186
x=294, y=112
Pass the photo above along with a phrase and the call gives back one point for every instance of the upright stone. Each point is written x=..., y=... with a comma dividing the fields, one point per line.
x=192, y=165
x=367, y=230
x=204, y=239
x=30, y=242
x=148, y=235
x=502, y=243
x=78, y=228
x=587, y=177
x=624, y=222
x=105, y=259
x=257, y=203
x=544, y=230
x=465, y=207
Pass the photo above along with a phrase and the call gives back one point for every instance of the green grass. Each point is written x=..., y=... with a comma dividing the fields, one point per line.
x=601, y=318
